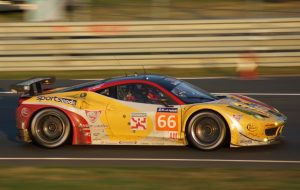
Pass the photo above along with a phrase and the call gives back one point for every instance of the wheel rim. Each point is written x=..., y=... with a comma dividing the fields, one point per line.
x=206, y=131
x=50, y=128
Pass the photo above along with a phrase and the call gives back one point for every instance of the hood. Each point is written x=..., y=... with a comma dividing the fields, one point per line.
x=250, y=106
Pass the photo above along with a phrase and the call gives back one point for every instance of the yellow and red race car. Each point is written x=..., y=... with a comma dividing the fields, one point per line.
x=142, y=110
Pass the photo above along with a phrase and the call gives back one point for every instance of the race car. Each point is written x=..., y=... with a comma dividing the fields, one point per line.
x=142, y=110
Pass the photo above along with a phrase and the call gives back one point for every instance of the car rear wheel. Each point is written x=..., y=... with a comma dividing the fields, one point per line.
x=50, y=128
x=206, y=131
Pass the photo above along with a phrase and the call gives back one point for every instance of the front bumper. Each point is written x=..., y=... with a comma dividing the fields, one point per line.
x=258, y=132
x=23, y=135
x=247, y=141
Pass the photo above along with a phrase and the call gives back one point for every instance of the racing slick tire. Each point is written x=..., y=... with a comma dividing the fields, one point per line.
x=206, y=131
x=50, y=128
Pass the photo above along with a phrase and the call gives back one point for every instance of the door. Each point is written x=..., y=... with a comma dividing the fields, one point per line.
x=137, y=116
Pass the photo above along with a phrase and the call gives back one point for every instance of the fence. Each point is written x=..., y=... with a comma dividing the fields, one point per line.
x=151, y=44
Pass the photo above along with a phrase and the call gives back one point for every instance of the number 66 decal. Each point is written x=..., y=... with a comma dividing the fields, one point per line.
x=166, y=122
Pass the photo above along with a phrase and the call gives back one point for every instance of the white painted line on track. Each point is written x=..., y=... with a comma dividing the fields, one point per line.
x=259, y=94
x=145, y=159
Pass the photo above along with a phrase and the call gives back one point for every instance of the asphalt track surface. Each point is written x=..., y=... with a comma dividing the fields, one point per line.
x=280, y=92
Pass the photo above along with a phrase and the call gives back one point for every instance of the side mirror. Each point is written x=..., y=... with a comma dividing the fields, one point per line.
x=165, y=103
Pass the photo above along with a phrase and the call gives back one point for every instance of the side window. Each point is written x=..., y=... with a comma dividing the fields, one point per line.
x=142, y=93
x=110, y=92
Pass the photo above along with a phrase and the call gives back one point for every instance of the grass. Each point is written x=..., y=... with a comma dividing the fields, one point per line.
x=147, y=178
x=199, y=72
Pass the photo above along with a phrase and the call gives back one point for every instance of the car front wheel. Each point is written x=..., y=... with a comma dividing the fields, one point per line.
x=206, y=131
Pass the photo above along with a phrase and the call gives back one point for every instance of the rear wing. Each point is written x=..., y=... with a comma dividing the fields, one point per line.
x=32, y=87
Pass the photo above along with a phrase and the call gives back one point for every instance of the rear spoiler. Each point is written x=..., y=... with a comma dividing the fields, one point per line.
x=33, y=86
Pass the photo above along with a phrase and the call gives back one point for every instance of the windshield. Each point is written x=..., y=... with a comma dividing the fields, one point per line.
x=190, y=94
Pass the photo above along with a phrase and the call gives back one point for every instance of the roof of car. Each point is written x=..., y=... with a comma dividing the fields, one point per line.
x=150, y=77
x=164, y=81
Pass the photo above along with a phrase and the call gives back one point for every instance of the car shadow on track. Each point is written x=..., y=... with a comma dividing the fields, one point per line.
x=156, y=151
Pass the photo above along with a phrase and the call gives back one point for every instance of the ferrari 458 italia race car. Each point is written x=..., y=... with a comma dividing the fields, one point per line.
x=142, y=110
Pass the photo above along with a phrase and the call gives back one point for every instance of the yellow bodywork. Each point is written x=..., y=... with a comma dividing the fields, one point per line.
x=111, y=121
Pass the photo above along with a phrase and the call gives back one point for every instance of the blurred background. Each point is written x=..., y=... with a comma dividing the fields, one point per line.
x=87, y=39
x=100, y=38
x=109, y=10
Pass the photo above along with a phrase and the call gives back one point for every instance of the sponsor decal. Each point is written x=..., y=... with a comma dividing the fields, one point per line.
x=57, y=99
x=87, y=134
x=173, y=135
x=246, y=141
x=127, y=142
x=96, y=134
x=25, y=112
x=237, y=117
x=90, y=126
x=251, y=127
x=138, y=121
x=93, y=116
x=167, y=110
x=167, y=119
